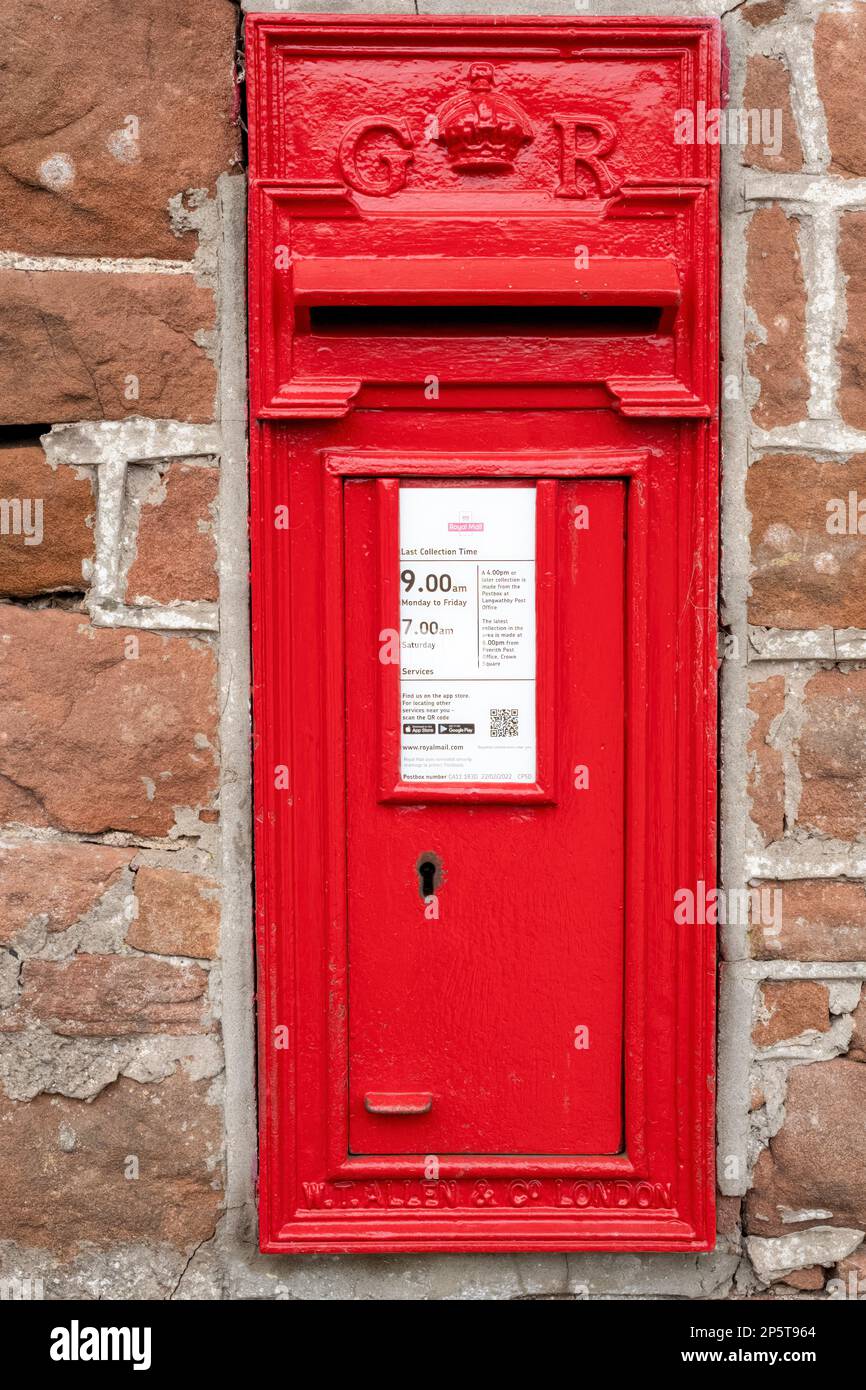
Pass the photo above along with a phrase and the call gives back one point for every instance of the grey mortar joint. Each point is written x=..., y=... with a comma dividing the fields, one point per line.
x=111, y=447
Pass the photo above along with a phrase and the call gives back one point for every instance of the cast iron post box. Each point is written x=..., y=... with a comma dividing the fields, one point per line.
x=484, y=459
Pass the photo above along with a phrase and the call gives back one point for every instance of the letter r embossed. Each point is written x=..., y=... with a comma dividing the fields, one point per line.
x=592, y=159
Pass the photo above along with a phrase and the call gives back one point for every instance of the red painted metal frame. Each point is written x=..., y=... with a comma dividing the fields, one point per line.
x=652, y=425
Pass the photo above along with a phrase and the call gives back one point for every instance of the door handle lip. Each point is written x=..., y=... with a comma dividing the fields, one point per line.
x=398, y=1102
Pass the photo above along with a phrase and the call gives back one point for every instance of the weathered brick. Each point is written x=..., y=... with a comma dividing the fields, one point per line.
x=113, y=996
x=107, y=112
x=766, y=775
x=852, y=341
x=857, y=1049
x=818, y=1158
x=102, y=730
x=71, y=344
x=176, y=549
x=808, y=1279
x=854, y=1264
x=728, y=1210
x=840, y=40
x=820, y=920
x=788, y=1008
x=139, y=1163
x=178, y=914
x=761, y=12
x=833, y=754
x=45, y=537
x=804, y=575
x=53, y=883
x=768, y=87
x=776, y=292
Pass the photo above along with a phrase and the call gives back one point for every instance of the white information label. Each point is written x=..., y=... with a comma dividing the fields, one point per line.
x=467, y=634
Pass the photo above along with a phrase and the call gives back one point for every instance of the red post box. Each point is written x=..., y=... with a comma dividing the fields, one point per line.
x=484, y=459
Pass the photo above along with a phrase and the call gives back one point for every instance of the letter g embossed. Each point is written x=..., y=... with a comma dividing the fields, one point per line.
x=387, y=173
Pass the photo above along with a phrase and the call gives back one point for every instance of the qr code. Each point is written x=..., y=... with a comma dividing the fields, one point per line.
x=503, y=723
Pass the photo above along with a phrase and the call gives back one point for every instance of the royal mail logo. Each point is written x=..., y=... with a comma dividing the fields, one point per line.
x=466, y=522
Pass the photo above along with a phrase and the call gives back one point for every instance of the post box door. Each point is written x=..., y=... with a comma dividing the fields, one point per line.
x=486, y=938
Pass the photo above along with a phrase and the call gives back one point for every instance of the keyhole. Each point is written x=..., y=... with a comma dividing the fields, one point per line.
x=428, y=867
x=427, y=873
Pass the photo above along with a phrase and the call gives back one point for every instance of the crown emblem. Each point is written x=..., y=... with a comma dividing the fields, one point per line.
x=481, y=129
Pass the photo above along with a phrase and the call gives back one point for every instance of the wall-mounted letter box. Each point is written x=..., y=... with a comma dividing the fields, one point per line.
x=483, y=376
